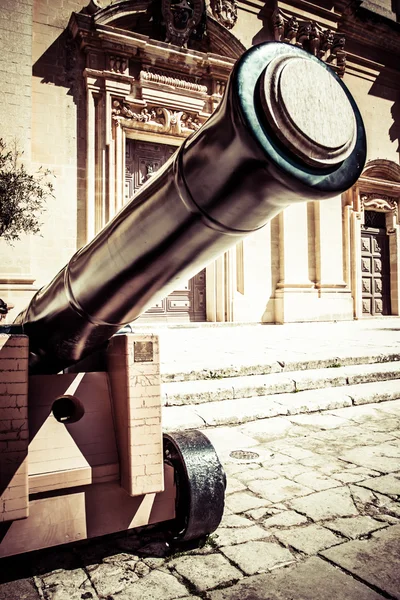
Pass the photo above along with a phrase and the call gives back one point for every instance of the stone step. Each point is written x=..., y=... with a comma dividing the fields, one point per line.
x=292, y=382
x=242, y=410
x=189, y=369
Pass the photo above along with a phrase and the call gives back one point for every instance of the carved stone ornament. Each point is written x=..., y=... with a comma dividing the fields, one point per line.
x=379, y=202
x=92, y=8
x=164, y=79
x=325, y=44
x=181, y=18
x=156, y=119
x=225, y=11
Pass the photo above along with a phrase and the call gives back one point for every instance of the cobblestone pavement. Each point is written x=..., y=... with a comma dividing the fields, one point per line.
x=312, y=511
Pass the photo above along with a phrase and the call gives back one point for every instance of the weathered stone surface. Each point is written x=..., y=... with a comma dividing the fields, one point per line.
x=374, y=392
x=278, y=490
x=316, y=481
x=257, y=474
x=388, y=484
x=313, y=579
x=235, y=521
x=318, y=421
x=383, y=457
x=233, y=485
x=257, y=557
x=157, y=585
x=206, y=572
x=289, y=470
x=314, y=400
x=110, y=579
x=326, y=505
x=242, y=501
x=225, y=536
x=354, y=527
x=265, y=431
x=376, y=560
x=285, y=519
x=309, y=539
x=22, y=589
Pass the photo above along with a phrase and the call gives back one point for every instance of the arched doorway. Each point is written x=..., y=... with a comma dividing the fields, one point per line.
x=375, y=240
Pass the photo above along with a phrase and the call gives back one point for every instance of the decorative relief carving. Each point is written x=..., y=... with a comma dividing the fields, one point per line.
x=325, y=44
x=365, y=265
x=118, y=64
x=366, y=306
x=225, y=11
x=379, y=202
x=219, y=87
x=156, y=119
x=181, y=17
x=366, y=286
x=186, y=84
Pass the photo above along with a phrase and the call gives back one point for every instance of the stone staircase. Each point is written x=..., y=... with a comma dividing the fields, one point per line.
x=233, y=395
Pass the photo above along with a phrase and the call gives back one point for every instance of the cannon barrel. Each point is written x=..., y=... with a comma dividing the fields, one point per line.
x=287, y=130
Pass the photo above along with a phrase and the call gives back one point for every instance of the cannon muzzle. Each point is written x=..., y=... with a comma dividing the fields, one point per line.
x=287, y=130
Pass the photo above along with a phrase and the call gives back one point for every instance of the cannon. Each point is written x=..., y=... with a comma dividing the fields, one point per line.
x=82, y=450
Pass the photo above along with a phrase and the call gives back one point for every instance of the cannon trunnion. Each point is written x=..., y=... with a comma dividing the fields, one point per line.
x=82, y=451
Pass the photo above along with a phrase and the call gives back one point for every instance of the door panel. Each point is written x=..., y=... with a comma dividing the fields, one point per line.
x=375, y=274
x=188, y=301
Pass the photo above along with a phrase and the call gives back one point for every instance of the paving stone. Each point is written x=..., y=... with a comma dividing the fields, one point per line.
x=257, y=474
x=175, y=418
x=376, y=560
x=328, y=504
x=225, y=439
x=383, y=457
x=278, y=490
x=362, y=413
x=242, y=501
x=232, y=468
x=309, y=539
x=225, y=536
x=22, y=589
x=387, y=484
x=389, y=425
x=206, y=572
x=316, y=481
x=294, y=451
x=313, y=579
x=267, y=430
x=392, y=407
x=259, y=513
x=234, y=485
x=110, y=579
x=157, y=585
x=235, y=521
x=354, y=527
x=74, y=578
x=289, y=470
x=285, y=519
x=317, y=421
x=257, y=557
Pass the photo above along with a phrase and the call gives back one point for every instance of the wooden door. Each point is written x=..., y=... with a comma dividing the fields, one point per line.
x=375, y=266
x=188, y=302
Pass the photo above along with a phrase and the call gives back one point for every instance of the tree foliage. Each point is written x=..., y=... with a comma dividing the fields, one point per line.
x=22, y=196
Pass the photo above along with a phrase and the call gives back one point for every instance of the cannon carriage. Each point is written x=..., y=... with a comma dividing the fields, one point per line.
x=82, y=449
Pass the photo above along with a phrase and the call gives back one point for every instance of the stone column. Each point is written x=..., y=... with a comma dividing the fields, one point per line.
x=294, y=285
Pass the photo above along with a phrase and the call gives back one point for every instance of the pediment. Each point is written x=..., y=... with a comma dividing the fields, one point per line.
x=141, y=17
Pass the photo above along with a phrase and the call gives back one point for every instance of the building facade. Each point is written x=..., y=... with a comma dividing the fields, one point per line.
x=103, y=93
